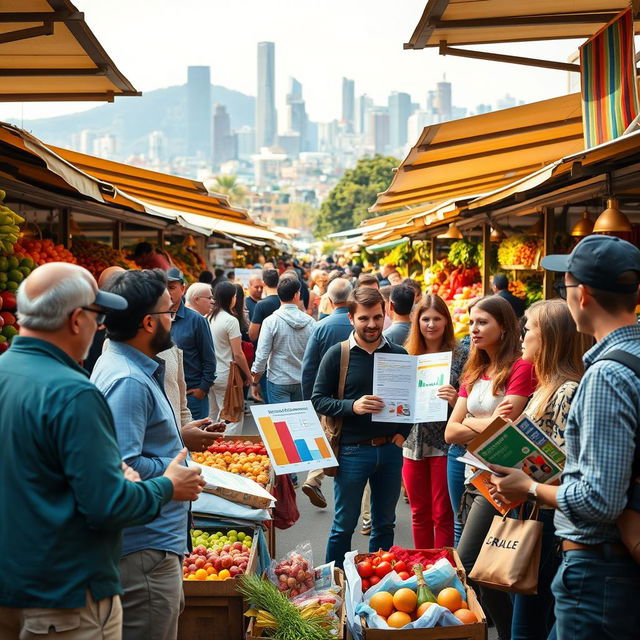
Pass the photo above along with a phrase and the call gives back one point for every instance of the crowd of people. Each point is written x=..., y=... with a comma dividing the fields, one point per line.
x=95, y=507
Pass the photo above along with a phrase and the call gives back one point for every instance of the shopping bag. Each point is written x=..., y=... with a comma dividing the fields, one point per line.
x=509, y=559
x=233, y=403
x=285, y=513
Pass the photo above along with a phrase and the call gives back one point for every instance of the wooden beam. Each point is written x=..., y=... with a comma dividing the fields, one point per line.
x=64, y=220
x=525, y=21
x=46, y=29
x=161, y=239
x=549, y=276
x=445, y=50
x=116, y=238
x=486, y=255
x=61, y=15
x=59, y=73
x=432, y=251
x=104, y=96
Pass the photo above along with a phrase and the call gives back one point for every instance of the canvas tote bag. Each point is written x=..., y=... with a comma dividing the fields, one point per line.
x=233, y=402
x=333, y=426
x=509, y=559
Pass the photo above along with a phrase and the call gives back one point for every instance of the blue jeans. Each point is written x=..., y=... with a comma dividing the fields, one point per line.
x=382, y=468
x=533, y=615
x=199, y=408
x=455, y=480
x=283, y=392
x=597, y=597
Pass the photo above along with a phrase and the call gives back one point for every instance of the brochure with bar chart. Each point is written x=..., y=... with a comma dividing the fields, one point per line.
x=293, y=436
x=408, y=386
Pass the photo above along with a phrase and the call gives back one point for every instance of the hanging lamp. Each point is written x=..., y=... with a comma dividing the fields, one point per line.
x=497, y=234
x=537, y=229
x=584, y=226
x=452, y=233
x=611, y=220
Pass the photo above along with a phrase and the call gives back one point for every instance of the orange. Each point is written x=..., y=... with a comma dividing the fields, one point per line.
x=405, y=600
x=423, y=607
x=464, y=605
x=466, y=616
x=382, y=603
x=450, y=598
x=224, y=574
x=398, y=619
x=211, y=570
x=201, y=574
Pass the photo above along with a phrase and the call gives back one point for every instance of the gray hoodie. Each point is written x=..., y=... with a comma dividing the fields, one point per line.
x=283, y=339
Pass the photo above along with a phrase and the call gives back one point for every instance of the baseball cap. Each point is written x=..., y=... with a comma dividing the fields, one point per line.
x=598, y=261
x=174, y=274
x=110, y=301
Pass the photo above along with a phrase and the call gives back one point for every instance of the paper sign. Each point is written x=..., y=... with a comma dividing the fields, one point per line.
x=408, y=386
x=243, y=276
x=293, y=436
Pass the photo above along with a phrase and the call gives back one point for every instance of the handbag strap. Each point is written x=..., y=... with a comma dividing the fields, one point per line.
x=344, y=366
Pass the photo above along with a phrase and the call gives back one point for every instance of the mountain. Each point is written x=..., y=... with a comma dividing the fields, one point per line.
x=132, y=119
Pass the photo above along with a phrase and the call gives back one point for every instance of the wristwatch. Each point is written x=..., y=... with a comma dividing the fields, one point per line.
x=533, y=490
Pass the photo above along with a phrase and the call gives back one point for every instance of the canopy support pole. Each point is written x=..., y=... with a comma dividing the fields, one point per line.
x=548, y=222
x=486, y=253
x=116, y=239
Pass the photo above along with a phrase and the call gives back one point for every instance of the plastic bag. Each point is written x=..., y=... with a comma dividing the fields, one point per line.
x=325, y=602
x=294, y=574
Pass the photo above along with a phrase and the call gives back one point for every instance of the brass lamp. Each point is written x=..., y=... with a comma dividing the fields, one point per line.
x=611, y=220
x=496, y=235
x=452, y=233
x=583, y=227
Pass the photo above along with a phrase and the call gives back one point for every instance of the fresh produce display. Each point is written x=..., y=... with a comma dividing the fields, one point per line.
x=187, y=259
x=13, y=270
x=465, y=253
x=282, y=619
x=8, y=323
x=97, y=256
x=245, y=458
x=218, y=557
x=447, y=280
x=533, y=290
x=519, y=251
x=42, y=251
x=518, y=288
x=9, y=229
x=293, y=575
x=372, y=567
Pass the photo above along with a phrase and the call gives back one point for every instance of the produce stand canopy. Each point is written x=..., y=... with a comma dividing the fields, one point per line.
x=47, y=52
x=232, y=228
x=481, y=153
x=474, y=22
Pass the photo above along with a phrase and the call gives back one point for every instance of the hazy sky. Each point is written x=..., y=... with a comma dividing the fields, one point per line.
x=317, y=41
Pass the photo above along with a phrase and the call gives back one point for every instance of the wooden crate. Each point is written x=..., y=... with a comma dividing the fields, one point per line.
x=215, y=610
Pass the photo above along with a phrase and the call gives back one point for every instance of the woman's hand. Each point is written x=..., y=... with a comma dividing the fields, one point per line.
x=448, y=393
x=503, y=410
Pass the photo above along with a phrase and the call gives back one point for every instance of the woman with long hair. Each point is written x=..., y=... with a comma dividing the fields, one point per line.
x=495, y=382
x=550, y=340
x=424, y=470
x=227, y=339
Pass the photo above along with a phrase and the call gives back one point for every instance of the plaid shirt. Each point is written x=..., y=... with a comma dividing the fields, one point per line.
x=601, y=437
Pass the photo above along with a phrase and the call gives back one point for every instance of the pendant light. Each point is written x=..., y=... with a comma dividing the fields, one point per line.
x=497, y=234
x=584, y=226
x=611, y=220
x=452, y=233
x=536, y=229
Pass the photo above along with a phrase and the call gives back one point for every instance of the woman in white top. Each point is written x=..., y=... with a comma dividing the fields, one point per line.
x=227, y=342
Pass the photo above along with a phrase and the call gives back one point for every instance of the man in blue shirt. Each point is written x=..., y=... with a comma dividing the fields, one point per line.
x=597, y=583
x=331, y=330
x=64, y=493
x=131, y=379
x=191, y=332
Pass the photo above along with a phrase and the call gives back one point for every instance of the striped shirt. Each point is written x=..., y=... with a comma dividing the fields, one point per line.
x=601, y=438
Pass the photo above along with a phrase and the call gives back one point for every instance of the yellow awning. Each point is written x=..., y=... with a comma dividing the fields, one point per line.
x=479, y=154
x=47, y=52
x=469, y=22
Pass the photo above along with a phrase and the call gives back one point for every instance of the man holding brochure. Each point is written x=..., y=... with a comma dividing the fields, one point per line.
x=369, y=451
x=597, y=583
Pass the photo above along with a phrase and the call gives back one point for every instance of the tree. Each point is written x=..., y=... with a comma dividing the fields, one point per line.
x=348, y=202
x=230, y=187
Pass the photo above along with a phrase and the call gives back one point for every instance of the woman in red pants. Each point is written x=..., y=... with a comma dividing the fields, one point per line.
x=424, y=471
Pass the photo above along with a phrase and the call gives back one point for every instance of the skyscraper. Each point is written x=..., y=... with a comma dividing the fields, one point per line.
x=364, y=103
x=158, y=152
x=443, y=100
x=199, y=112
x=297, y=113
x=223, y=141
x=348, y=104
x=378, y=129
x=399, y=112
x=266, y=118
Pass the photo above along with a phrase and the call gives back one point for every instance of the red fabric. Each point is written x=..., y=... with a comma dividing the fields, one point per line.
x=422, y=556
x=521, y=382
x=431, y=514
x=285, y=513
x=249, y=351
x=153, y=261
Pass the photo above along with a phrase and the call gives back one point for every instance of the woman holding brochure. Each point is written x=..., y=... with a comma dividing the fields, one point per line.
x=424, y=470
x=496, y=381
x=552, y=343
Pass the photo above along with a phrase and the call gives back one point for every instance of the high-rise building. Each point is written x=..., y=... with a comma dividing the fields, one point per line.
x=295, y=90
x=297, y=119
x=443, y=100
x=348, y=104
x=364, y=103
x=378, y=129
x=245, y=143
x=266, y=117
x=105, y=147
x=399, y=112
x=199, y=112
x=223, y=141
x=85, y=144
x=158, y=152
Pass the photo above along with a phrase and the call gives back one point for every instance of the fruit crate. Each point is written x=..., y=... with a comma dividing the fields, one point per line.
x=338, y=576
x=214, y=610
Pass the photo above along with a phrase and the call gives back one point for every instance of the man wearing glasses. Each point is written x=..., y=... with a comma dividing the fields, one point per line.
x=131, y=377
x=64, y=493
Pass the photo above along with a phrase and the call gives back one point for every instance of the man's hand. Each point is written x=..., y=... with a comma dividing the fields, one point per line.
x=187, y=481
x=255, y=392
x=130, y=474
x=511, y=486
x=448, y=393
x=256, y=377
x=398, y=440
x=197, y=393
x=197, y=437
x=368, y=404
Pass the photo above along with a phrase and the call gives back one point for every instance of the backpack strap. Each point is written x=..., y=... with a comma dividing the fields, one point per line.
x=344, y=366
x=623, y=357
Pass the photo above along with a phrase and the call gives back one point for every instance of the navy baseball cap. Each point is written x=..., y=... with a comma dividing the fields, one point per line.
x=598, y=261
x=174, y=275
x=110, y=301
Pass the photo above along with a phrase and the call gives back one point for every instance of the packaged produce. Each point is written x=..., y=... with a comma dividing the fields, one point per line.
x=217, y=556
x=294, y=574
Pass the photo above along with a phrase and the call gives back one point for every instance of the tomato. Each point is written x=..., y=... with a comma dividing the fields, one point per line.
x=400, y=566
x=388, y=557
x=365, y=569
x=365, y=584
x=375, y=562
x=383, y=568
x=403, y=575
x=374, y=580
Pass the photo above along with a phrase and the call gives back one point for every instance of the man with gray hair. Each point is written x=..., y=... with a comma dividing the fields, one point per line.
x=199, y=298
x=329, y=331
x=65, y=490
